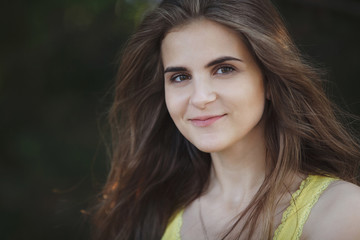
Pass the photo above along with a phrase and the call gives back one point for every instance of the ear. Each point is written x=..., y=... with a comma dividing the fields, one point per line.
x=267, y=95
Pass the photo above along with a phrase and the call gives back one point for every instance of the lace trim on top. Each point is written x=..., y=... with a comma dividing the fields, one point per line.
x=291, y=207
x=306, y=208
x=172, y=231
x=300, y=207
x=178, y=225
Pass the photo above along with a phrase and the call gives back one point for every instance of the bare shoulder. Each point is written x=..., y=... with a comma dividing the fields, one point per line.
x=336, y=215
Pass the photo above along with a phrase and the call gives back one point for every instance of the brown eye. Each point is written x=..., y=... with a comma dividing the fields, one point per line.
x=225, y=70
x=180, y=78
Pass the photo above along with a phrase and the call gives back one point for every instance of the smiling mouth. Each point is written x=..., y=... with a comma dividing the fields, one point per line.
x=205, y=121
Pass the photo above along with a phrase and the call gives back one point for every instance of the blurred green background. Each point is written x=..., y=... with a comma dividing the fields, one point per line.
x=57, y=64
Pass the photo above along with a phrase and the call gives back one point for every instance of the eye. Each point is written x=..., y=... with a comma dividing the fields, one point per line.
x=224, y=70
x=179, y=78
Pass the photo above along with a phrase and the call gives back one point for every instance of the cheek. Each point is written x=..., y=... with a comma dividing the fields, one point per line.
x=174, y=102
x=243, y=91
x=256, y=103
x=254, y=97
x=176, y=99
x=253, y=89
x=247, y=100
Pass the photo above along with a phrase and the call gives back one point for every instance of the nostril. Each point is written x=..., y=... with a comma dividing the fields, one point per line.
x=201, y=99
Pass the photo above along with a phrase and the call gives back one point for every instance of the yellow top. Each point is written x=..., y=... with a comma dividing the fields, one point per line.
x=293, y=218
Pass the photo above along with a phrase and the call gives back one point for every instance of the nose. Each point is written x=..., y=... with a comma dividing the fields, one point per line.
x=203, y=93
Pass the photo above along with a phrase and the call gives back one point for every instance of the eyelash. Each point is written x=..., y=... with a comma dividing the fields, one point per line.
x=173, y=78
x=229, y=67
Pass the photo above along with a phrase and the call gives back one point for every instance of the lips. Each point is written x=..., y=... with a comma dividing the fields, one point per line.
x=205, y=121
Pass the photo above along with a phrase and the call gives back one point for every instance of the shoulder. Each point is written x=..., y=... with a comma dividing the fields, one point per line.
x=336, y=215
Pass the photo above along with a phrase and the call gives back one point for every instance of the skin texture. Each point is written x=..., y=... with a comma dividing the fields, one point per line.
x=233, y=93
x=218, y=105
x=336, y=215
x=233, y=89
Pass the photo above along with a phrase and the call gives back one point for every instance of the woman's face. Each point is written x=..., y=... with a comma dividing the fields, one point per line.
x=214, y=90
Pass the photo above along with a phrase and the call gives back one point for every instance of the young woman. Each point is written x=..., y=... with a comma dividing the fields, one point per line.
x=222, y=131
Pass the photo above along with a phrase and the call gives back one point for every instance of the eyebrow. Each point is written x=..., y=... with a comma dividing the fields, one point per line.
x=221, y=60
x=175, y=69
x=212, y=63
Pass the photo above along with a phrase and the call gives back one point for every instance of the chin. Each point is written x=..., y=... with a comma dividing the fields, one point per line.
x=209, y=147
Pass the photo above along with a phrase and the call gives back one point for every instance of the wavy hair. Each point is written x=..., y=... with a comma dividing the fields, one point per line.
x=155, y=171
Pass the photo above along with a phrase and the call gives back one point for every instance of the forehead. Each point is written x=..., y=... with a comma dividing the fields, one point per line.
x=200, y=41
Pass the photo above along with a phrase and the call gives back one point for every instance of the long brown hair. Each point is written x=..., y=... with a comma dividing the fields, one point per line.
x=155, y=171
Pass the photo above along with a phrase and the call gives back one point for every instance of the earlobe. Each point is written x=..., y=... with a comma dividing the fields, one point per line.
x=268, y=95
x=267, y=92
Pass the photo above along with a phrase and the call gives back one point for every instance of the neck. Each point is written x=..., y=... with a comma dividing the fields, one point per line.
x=237, y=173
